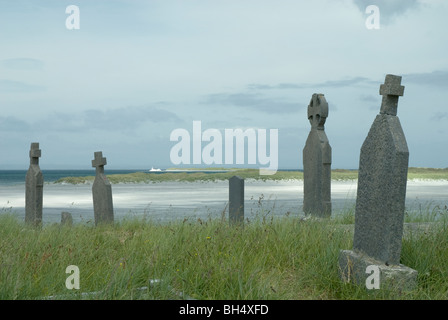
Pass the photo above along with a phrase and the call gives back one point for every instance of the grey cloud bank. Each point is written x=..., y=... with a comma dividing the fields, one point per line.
x=10, y=86
x=23, y=64
x=390, y=10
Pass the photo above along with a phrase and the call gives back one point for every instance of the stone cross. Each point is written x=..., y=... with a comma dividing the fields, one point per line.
x=317, y=161
x=381, y=195
x=99, y=162
x=318, y=111
x=236, y=201
x=34, y=183
x=391, y=90
x=102, y=192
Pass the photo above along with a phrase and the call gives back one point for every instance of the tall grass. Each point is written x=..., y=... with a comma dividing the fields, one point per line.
x=274, y=258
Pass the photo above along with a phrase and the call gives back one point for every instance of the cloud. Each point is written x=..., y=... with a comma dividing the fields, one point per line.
x=23, y=64
x=254, y=102
x=126, y=118
x=327, y=84
x=121, y=119
x=369, y=98
x=435, y=78
x=440, y=116
x=373, y=102
x=9, y=86
x=280, y=86
x=389, y=9
x=13, y=124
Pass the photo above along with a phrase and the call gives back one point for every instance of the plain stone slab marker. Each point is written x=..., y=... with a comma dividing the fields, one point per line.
x=317, y=161
x=236, y=200
x=381, y=195
x=102, y=192
x=34, y=184
x=66, y=218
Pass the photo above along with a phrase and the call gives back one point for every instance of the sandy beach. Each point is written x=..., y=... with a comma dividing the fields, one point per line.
x=179, y=200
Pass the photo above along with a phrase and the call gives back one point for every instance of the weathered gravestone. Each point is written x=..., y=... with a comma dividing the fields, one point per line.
x=236, y=200
x=380, y=203
x=34, y=184
x=102, y=192
x=317, y=162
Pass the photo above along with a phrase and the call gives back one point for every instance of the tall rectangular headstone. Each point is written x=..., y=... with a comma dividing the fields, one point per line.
x=236, y=200
x=102, y=192
x=34, y=183
x=381, y=195
x=317, y=161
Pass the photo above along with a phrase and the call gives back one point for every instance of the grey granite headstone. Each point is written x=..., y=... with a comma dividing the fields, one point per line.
x=317, y=162
x=34, y=184
x=380, y=203
x=102, y=192
x=236, y=200
x=66, y=218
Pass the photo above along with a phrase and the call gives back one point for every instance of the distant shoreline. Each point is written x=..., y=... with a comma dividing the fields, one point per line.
x=200, y=175
x=217, y=174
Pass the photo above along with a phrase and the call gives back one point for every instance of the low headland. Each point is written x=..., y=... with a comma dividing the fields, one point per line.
x=193, y=175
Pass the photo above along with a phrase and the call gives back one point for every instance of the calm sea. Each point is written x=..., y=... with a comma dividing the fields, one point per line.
x=13, y=177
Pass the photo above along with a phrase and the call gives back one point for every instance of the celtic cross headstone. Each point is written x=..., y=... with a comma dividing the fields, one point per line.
x=34, y=183
x=317, y=161
x=102, y=192
x=381, y=195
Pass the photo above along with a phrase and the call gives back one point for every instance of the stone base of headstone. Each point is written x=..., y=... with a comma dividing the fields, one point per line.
x=353, y=266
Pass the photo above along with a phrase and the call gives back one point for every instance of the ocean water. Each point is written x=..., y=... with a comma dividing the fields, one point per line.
x=15, y=177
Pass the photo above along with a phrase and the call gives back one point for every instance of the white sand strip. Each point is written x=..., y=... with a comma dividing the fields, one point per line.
x=202, y=198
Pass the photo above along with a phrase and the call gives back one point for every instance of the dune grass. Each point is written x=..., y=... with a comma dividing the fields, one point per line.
x=337, y=175
x=278, y=258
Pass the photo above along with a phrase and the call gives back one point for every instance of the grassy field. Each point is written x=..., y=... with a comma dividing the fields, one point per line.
x=337, y=175
x=281, y=258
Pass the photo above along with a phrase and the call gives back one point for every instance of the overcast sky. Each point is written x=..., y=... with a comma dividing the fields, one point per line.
x=137, y=70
